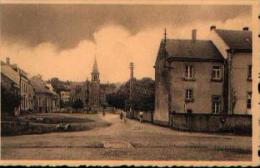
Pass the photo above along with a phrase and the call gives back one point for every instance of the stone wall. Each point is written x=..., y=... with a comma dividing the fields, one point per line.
x=240, y=124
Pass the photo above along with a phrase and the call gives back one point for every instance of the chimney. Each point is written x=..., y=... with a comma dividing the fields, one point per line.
x=8, y=60
x=194, y=35
x=245, y=28
x=213, y=27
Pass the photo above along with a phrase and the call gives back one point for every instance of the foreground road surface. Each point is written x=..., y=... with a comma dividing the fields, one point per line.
x=127, y=141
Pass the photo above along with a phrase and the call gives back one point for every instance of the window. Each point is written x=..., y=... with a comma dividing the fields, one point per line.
x=216, y=73
x=189, y=95
x=216, y=104
x=249, y=100
x=249, y=73
x=189, y=72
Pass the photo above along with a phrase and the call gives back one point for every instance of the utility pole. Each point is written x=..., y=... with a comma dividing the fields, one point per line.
x=131, y=88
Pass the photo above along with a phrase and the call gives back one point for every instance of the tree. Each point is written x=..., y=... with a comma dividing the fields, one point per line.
x=143, y=95
x=9, y=100
x=77, y=104
x=58, y=85
x=116, y=100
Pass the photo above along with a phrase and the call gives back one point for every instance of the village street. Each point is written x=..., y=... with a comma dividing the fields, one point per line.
x=127, y=141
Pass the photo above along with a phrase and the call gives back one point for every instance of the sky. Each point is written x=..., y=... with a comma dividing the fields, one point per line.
x=62, y=40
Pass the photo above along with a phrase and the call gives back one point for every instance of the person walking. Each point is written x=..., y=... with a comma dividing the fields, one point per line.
x=103, y=112
x=141, y=116
x=121, y=116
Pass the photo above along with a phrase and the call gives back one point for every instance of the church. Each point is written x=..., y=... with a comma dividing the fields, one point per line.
x=89, y=91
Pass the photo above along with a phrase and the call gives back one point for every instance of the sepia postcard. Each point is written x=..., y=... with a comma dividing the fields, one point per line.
x=143, y=83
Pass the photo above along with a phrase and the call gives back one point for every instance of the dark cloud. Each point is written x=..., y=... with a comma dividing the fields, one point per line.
x=66, y=25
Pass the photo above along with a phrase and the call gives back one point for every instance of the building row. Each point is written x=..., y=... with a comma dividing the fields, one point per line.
x=34, y=93
x=211, y=76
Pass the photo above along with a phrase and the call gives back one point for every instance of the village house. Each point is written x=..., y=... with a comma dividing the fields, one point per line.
x=45, y=99
x=204, y=76
x=25, y=86
x=55, y=98
x=236, y=48
x=65, y=96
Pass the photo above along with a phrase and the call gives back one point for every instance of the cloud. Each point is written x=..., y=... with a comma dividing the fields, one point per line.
x=67, y=25
x=115, y=42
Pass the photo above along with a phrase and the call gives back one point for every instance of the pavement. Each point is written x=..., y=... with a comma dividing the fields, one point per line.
x=127, y=141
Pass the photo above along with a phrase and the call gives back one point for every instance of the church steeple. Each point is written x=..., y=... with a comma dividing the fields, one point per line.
x=95, y=72
x=95, y=66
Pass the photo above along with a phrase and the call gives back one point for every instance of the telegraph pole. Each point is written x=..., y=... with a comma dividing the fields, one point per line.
x=131, y=88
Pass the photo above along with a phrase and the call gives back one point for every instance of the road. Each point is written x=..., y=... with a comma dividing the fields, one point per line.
x=127, y=141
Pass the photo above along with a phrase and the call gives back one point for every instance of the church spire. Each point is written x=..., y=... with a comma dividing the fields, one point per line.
x=95, y=66
x=95, y=72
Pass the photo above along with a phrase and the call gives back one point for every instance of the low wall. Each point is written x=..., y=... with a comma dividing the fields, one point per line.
x=240, y=124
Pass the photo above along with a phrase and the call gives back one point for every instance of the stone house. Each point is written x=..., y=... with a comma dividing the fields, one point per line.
x=204, y=76
x=236, y=48
x=188, y=78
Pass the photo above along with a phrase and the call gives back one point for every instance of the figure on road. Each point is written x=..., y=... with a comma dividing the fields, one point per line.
x=141, y=116
x=124, y=116
x=121, y=115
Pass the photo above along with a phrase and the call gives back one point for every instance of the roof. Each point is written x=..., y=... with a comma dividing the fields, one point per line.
x=190, y=50
x=10, y=73
x=237, y=39
x=51, y=89
x=40, y=86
